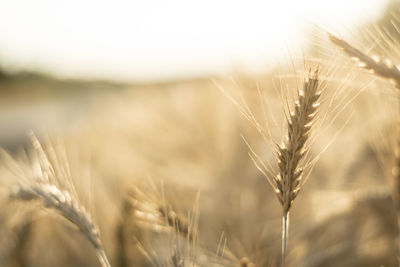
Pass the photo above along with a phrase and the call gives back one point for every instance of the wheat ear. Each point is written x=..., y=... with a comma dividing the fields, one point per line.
x=385, y=69
x=40, y=179
x=54, y=198
x=291, y=152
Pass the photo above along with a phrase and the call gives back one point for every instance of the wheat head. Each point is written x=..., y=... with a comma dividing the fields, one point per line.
x=290, y=153
x=385, y=69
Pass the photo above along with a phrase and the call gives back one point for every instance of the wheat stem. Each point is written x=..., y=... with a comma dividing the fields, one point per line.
x=396, y=188
x=101, y=255
x=285, y=236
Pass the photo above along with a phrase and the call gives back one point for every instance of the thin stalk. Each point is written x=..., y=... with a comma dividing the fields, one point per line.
x=396, y=182
x=101, y=255
x=396, y=192
x=285, y=235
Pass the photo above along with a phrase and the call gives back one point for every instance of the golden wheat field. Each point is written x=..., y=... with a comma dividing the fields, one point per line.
x=298, y=165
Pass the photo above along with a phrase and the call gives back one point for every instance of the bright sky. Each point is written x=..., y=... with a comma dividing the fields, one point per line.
x=162, y=39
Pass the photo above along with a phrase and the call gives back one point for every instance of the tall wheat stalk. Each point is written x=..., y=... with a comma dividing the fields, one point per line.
x=288, y=182
x=291, y=153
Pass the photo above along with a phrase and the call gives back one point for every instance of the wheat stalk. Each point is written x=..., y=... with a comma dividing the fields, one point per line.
x=290, y=154
x=396, y=187
x=385, y=68
x=126, y=212
x=396, y=172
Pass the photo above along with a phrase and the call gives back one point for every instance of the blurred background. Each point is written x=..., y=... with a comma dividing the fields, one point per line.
x=84, y=48
x=133, y=88
x=164, y=40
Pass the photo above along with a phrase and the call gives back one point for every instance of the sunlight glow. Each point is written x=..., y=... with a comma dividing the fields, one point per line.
x=161, y=39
